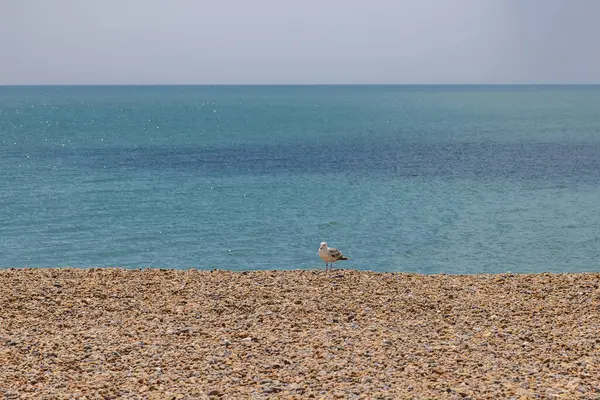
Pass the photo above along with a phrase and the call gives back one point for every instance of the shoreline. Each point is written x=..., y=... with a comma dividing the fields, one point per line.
x=162, y=333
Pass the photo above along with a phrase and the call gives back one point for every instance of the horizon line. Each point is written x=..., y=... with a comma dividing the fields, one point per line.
x=293, y=84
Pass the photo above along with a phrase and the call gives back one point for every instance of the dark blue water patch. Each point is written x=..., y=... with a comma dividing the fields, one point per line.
x=553, y=162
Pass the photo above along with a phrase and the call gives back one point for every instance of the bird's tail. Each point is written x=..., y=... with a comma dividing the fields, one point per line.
x=344, y=258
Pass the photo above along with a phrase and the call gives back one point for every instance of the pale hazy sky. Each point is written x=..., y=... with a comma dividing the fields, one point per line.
x=299, y=42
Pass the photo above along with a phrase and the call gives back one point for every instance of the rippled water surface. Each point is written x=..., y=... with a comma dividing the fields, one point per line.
x=453, y=179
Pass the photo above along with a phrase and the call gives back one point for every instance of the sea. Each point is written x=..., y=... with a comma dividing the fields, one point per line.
x=401, y=178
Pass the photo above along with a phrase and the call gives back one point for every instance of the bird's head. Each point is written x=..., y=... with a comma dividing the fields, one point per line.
x=323, y=245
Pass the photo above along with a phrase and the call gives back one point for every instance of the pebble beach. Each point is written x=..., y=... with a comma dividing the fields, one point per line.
x=109, y=333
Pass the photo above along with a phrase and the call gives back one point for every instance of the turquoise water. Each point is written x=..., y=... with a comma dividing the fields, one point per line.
x=430, y=179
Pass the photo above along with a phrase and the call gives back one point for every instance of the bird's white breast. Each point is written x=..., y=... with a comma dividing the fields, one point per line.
x=324, y=254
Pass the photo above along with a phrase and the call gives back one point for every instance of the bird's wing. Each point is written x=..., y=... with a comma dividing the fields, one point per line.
x=335, y=253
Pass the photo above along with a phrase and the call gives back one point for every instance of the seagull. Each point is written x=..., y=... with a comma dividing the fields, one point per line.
x=330, y=255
